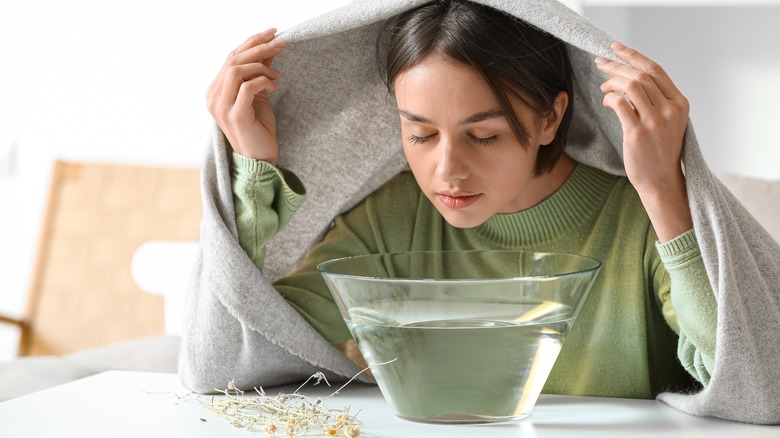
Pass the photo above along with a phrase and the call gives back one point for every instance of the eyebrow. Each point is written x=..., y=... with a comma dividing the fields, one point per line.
x=478, y=117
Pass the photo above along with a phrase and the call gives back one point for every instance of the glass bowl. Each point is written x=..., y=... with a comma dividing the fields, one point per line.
x=460, y=336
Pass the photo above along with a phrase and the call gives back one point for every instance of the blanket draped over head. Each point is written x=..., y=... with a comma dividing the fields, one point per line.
x=338, y=130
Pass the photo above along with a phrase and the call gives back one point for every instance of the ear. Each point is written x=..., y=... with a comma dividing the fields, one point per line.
x=551, y=122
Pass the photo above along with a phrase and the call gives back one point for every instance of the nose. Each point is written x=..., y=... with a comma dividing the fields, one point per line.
x=452, y=165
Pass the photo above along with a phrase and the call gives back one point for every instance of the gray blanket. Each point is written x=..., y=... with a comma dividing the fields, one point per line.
x=338, y=131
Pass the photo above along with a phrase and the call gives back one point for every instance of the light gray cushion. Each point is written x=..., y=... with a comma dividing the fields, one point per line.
x=30, y=374
x=761, y=198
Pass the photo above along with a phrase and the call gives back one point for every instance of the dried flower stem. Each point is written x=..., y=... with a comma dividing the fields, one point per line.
x=292, y=414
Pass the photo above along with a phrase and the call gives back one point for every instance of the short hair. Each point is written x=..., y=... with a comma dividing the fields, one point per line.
x=512, y=56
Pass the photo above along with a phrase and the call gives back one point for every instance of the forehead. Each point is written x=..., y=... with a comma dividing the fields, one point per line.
x=442, y=70
x=437, y=81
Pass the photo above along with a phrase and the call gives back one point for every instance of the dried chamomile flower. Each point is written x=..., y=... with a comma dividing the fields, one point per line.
x=295, y=413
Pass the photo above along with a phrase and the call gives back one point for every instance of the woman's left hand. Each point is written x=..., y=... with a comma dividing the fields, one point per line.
x=652, y=112
x=654, y=116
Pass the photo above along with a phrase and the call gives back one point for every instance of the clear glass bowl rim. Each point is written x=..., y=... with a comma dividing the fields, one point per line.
x=322, y=267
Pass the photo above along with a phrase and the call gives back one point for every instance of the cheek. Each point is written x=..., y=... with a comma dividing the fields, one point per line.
x=418, y=167
x=417, y=157
x=413, y=159
x=516, y=163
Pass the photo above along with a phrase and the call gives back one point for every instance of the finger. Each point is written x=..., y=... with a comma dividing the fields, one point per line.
x=262, y=47
x=264, y=53
x=647, y=65
x=643, y=79
x=235, y=76
x=249, y=89
x=623, y=109
x=268, y=61
x=255, y=40
x=261, y=53
x=633, y=91
x=245, y=72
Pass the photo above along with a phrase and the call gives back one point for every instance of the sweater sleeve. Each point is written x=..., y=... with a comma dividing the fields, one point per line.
x=306, y=291
x=380, y=223
x=688, y=304
x=265, y=198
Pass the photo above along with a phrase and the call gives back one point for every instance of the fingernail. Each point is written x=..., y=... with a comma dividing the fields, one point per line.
x=276, y=42
x=617, y=46
x=277, y=74
x=601, y=60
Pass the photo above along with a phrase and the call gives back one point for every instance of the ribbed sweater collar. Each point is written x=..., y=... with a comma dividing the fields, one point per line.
x=577, y=201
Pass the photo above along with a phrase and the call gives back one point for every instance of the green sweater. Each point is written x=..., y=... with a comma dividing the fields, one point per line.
x=650, y=313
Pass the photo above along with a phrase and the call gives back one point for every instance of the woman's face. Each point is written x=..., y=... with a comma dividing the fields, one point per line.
x=460, y=147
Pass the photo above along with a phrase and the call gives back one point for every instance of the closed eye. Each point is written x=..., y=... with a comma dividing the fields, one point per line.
x=419, y=140
x=483, y=141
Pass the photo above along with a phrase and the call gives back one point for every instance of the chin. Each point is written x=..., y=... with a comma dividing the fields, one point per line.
x=461, y=220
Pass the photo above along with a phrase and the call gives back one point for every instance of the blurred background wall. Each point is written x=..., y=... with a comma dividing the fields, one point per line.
x=725, y=59
x=120, y=81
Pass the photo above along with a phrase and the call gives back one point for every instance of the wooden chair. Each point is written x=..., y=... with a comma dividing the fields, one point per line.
x=82, y=293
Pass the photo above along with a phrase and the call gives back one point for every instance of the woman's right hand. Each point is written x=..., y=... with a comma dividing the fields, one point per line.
x=238, y=99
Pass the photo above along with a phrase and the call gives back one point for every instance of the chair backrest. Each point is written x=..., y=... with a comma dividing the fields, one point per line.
x=82, y=293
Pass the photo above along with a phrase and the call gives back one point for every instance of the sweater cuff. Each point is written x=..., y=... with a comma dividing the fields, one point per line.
x=249, y=169
x=692, y=298
x=679, y=250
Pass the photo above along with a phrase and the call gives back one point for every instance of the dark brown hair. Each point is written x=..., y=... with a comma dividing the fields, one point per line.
x=511, y=55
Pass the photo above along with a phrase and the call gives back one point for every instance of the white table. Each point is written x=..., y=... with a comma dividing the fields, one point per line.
x=134, y=404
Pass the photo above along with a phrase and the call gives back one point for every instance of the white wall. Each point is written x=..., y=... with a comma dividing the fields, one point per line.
x=125, y=81
x=118, y=81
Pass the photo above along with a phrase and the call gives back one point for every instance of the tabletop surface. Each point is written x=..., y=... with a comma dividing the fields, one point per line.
x=136, y=404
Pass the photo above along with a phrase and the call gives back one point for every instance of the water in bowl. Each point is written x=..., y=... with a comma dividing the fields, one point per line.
x=461, y=369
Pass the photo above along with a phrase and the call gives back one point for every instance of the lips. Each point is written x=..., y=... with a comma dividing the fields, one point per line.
x=457, y=200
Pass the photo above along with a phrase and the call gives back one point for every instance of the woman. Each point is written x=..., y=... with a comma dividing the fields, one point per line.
x=485, y=102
